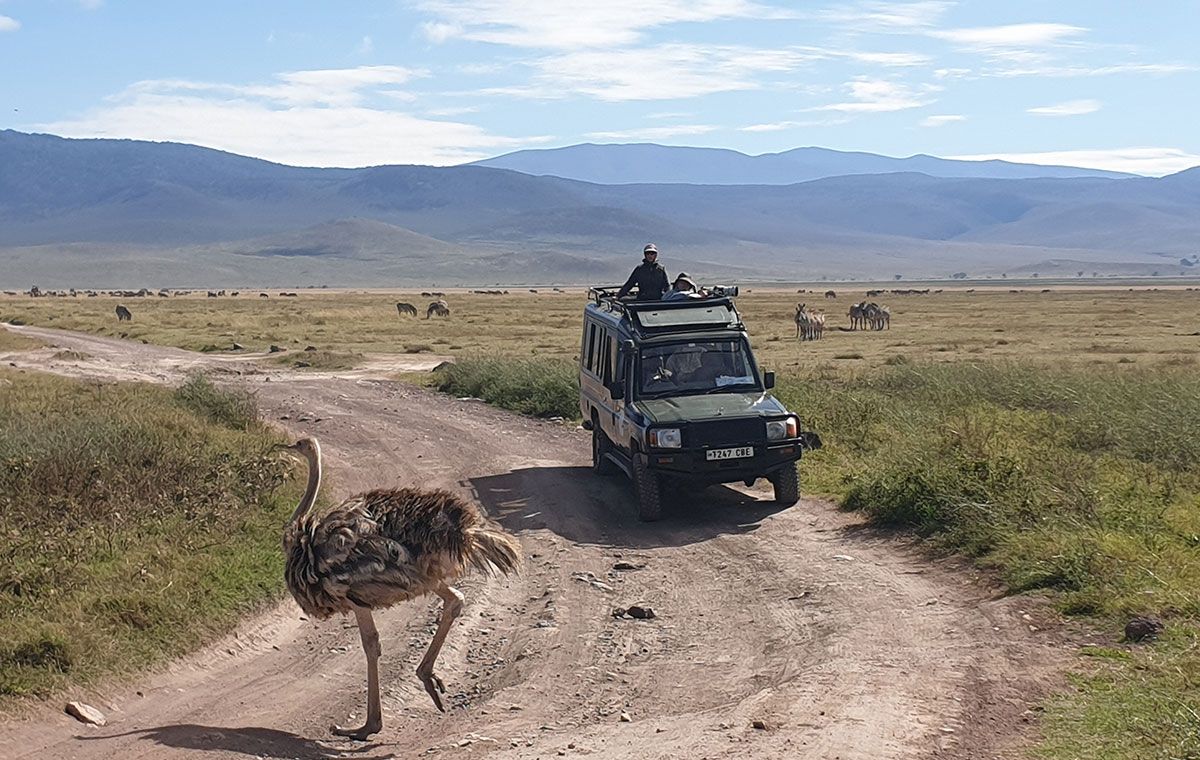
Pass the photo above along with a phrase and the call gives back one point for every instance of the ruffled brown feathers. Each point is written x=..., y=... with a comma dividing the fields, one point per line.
x=388, y=545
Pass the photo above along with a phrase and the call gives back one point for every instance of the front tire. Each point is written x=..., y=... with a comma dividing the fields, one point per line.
x=786, y=481
x=601, y=465
x=647, y=486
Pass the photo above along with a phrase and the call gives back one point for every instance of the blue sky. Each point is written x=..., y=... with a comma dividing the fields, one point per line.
x=1092, y=83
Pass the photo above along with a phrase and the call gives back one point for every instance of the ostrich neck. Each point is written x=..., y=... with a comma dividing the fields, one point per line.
x=310, y=491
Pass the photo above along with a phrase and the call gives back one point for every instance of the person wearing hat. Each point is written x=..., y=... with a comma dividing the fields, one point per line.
x=684, y=287
x=649, y=277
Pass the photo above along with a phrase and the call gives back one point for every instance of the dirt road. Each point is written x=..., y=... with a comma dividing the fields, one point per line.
x=842, y=642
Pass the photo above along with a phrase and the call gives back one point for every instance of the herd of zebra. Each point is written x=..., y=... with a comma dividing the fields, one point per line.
x=438, y=308
x=810, y=325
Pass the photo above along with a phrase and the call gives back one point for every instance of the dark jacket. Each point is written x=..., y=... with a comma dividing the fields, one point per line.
x=650, y=279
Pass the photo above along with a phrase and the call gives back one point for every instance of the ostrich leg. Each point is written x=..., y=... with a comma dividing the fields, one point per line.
x=370, y=643
x=452, y=602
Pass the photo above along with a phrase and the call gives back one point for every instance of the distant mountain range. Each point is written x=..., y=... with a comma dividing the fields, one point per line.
x=114, y=213
x=645, y=163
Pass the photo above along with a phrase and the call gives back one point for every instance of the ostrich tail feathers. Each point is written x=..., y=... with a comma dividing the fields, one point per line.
x=494, y=552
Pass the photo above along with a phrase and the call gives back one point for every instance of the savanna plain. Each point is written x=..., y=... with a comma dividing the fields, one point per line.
x=1045, y=431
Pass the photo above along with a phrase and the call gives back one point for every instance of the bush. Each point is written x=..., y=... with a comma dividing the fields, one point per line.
x=233, y=409
x=138, y=522
x=538, y=387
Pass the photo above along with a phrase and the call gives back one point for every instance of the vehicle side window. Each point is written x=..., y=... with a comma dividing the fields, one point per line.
x=590, y=361
x=609, y=358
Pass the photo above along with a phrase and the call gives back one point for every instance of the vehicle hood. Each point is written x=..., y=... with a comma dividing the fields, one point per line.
x=714, y=406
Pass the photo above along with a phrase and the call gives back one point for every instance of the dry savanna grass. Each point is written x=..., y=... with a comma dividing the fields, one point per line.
x=1115, y=327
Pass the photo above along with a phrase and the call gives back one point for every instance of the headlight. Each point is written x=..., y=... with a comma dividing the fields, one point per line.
x=777, y=430
x=666, y=438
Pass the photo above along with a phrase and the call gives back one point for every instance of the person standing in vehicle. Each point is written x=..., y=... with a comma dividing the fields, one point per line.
x=649, y=277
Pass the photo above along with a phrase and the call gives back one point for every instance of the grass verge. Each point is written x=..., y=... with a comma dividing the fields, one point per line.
x=1085, y=484
x=541, y=387
x=138, y=521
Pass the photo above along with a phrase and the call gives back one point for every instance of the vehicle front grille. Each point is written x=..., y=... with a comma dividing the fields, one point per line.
x=725, y=433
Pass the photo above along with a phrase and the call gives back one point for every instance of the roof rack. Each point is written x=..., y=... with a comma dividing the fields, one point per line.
x=658, y=316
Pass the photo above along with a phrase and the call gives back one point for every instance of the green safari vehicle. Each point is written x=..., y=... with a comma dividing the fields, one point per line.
x=670, y=391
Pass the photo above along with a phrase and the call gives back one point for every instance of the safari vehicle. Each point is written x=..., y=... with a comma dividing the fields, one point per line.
x=673, y=396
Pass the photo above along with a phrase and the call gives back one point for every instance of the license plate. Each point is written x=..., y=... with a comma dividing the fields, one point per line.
x=740, y=452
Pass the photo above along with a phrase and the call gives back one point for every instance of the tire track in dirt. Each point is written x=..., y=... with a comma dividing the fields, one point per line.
x=761, y=615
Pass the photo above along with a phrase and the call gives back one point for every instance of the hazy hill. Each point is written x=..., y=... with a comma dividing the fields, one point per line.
x=78, y=210
x=649, y=163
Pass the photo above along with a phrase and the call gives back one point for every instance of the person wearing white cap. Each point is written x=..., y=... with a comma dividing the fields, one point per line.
x=649, y=277
x=684, y=287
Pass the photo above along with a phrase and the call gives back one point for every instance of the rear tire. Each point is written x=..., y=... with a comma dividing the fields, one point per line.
x=786, y=481
x=648, y=488
x=601, y=465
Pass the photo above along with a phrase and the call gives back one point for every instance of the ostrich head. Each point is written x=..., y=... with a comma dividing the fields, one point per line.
x=311, y=451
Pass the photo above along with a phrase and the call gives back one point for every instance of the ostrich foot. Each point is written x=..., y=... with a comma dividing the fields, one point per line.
x=434, y=687
x=361, y=733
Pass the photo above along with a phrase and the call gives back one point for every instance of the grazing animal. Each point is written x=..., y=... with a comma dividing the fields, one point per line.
x=383, y=547
x=857, y=316
x=123, y=314
x=830, y=294
x=406, y=308
x=810, y=325
x=441, y=308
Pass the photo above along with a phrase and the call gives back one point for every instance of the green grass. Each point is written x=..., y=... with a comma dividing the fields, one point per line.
x=538, y=387
x=138, y=523
x=1083, y=484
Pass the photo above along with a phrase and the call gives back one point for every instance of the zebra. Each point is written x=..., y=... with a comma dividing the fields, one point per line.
x=406, y=308
x=123, y=314
x=440, y=308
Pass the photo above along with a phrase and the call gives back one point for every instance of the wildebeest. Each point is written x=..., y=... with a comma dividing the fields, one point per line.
x=830, y=294
x=441, y=308
x=405, y=308
x=123, y=314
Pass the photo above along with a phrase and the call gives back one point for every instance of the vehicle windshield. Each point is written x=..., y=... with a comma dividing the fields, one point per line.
x=695, y=367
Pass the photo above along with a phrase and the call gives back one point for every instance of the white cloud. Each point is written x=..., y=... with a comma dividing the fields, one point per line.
x=1068, y=108
x=653, y=133
x=308, y=118
x=879, y=96
x=573, y=24
x=665, y=72
x=780, y=126
x=891, y=59
x=942, y=120
x=878, y=16
x=1156, y=69
x=319, y=87
x=1149, y=161
x=9, y=24
x=1008, y=37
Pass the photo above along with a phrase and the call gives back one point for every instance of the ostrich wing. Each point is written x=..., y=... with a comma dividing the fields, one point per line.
x=341, y=559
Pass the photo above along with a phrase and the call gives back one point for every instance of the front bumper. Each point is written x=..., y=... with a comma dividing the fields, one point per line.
x=694, y=464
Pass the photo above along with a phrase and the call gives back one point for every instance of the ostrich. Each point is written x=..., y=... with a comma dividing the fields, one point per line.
x=383, y=547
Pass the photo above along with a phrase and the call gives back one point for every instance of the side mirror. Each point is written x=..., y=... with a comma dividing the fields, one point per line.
x=768, y=379
x=617, y=391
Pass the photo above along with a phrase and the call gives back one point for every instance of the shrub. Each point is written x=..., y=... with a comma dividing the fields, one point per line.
x=541, y=387
x=231, y=408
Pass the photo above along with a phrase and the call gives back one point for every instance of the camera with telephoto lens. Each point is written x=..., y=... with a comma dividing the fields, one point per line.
x=722, y=291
